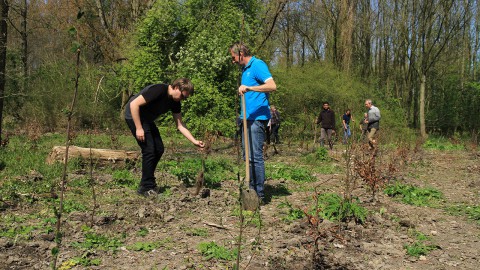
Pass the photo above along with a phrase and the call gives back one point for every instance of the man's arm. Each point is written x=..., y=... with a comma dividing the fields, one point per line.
x=268, y=87
x=135, y=111
x=183, y=129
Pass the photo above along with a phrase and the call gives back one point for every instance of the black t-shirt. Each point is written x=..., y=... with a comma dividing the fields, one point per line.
x=158, y=102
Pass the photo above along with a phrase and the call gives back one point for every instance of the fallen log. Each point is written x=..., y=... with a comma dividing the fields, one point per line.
x=99, y=156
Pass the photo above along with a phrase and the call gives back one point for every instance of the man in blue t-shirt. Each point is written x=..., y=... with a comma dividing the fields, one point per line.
x=140, y=114
x=256, y=85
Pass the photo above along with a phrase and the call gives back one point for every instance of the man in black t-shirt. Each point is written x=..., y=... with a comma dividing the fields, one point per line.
x=140, y=114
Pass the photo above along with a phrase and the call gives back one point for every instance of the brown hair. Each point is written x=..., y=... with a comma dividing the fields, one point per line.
x=184, y=84
x=238, y=47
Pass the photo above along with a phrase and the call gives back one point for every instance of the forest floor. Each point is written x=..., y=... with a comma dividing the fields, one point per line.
x=178, y=230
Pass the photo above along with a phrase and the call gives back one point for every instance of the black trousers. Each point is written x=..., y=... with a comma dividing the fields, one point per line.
x=152, y=151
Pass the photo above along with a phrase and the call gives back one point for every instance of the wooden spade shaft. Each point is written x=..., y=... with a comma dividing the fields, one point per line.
x=245, y=141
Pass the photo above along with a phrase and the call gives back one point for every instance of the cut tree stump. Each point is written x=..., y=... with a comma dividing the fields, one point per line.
x=99, y=156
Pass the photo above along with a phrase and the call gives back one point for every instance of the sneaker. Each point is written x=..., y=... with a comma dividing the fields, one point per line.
x=147, y=192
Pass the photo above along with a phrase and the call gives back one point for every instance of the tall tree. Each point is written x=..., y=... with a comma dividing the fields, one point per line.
x=3, y=54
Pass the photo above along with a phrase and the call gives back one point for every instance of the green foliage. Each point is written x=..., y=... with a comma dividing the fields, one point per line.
x=441, y=144
x=250, y=217
x=216, y=170
x=145, y=246
x=410, y=194
x=332, y=207
x=213, y=251
x=472, y=212
x=197, y=232
x=98, y=241
x=288, y=172
x=22, y=232
x=419, y=247
x=142, y=232
x=190, y=39
x=320, y=155
x=292, y=213
x=124, y=178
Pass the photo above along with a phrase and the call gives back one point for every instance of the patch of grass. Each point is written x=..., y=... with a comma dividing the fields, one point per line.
x=216, y=171
x=413, y=195
x=472, y=212
x=83, y=261
x=98, y=241
x=197, y=232
x=24, y=232
x=419, y=247
x=292, y=213
x=288, y=172
x=210, y=250
x=145, y=246
x=332, y=207
x=442, y=144
x=320, y=155
x=251, y=217
x=124, y=178
x=142, y=232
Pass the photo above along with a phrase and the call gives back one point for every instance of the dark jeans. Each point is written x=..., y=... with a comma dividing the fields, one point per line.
x=274, y=133
x=256, y=131
x=152, y=151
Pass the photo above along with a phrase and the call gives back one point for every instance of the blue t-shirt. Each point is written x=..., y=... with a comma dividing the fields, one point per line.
x=256, y=73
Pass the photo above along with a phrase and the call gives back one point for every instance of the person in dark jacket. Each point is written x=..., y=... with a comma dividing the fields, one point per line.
x=327, y=120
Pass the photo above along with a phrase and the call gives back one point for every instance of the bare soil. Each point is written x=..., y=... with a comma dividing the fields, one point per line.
x=173, y=218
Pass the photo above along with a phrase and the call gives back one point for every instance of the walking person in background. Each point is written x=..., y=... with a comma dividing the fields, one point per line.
x=256, y=85
x=327, y=120
x=274, y=124
x=373, y=123
x=363, y=127
x=346, y=118
x=140, y=114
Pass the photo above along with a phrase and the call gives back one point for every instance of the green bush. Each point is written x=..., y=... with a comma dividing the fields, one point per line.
x=332, y=207
x=410, y=194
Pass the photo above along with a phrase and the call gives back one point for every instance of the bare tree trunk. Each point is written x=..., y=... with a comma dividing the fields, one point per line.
x=101, y=14
x=3, y=54
x=24, y=44
x=423, y=130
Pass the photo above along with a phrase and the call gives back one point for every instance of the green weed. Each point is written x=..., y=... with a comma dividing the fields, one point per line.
x=145, y=246
x=288, y=172
x=197, y=232
x=472, y=212
x=419, y=247
x=213, y=251
x=332, y=207
x=320, y=155
x=410, y=194
x=251, y=217
x=292, y=213
x=142, y=232
x=19, y=232
x=442, y=144
x=216, y=170
x=98, y=241
x=124, y=178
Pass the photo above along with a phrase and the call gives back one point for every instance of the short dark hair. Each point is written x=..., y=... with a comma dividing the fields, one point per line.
x=325, y=102
x=184, y=84
x=238, y=47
